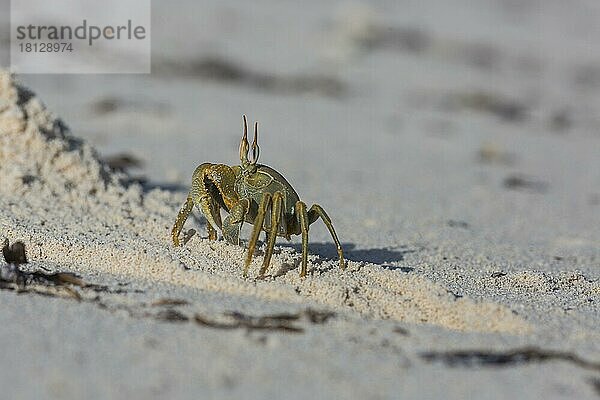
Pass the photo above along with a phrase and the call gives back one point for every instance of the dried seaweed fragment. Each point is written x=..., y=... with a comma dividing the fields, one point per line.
x=318, y=317
x=13, y=278
x=489, y=358
x=171, y=315
x=170, y=302
x=271, y=322
x=250, y=323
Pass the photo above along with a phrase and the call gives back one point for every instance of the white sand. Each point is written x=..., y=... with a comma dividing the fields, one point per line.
x=443, y=256
x=75, y=215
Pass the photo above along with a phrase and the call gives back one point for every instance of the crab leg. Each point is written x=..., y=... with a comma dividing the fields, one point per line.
x=258, y=224
x=272, y=235
x=181, y=218
x=302, y=216
x=216, y=213
x=317, y=211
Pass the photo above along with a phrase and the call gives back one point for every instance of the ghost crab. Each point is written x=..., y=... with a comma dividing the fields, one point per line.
x=253, y=193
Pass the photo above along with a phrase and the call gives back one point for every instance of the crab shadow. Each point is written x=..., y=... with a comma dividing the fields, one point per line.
x=385, y=257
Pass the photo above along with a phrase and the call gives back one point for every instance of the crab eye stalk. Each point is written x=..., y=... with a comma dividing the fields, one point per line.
x=255, y=148
x=244, y=146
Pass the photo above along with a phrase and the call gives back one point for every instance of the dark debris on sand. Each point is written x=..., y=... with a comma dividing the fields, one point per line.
x=65, y=284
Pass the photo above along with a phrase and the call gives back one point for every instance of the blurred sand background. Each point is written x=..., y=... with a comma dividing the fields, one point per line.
x=455, y=145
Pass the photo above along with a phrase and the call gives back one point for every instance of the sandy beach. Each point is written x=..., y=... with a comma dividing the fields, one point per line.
x=456, y=149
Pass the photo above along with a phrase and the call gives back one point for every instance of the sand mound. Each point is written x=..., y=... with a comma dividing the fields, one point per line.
x=74, y=213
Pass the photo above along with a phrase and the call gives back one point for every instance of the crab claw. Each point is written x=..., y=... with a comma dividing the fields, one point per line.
x=213, y=186
x=234, y=221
